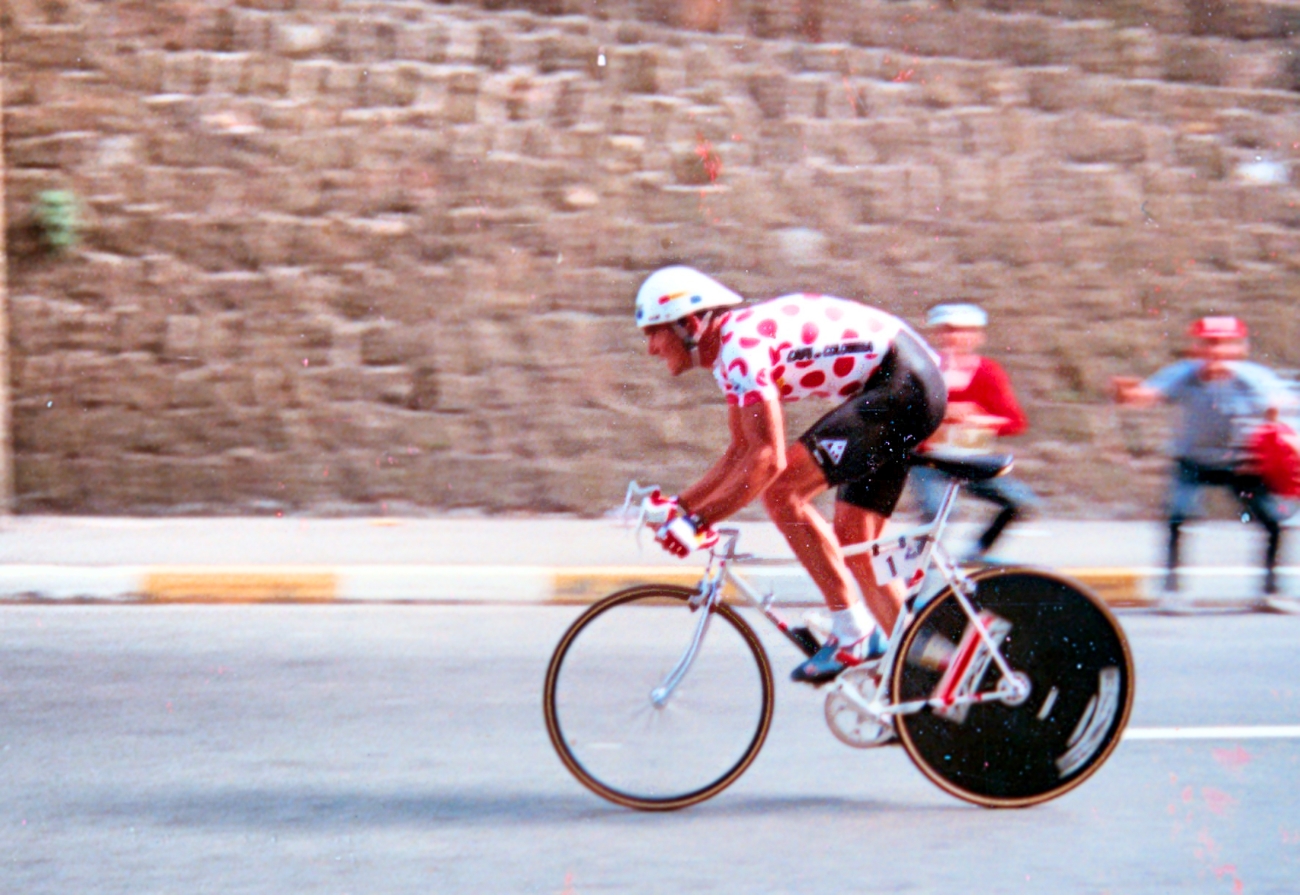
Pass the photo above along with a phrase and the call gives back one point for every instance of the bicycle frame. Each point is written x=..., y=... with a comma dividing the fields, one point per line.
x=906, y=555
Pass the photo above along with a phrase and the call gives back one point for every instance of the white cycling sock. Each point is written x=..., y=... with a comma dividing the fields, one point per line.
x=852, y=624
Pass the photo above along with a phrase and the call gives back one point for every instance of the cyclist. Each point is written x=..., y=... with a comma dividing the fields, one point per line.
x=789, y=348
x=981, y=407
x=1221, y=395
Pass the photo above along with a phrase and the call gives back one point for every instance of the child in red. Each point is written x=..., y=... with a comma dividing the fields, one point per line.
x=981, y=407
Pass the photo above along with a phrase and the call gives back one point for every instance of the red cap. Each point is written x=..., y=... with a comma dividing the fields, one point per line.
x=1218, y=328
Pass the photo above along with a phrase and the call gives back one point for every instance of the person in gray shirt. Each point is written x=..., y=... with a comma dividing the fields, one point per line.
x=1221, y=396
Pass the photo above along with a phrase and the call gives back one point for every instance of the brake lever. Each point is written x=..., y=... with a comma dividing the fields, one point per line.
x=636, y=492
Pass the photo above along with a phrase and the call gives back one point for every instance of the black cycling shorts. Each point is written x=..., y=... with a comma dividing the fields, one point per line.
x=862, y=446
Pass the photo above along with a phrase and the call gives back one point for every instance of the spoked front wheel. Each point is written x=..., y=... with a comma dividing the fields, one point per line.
x=1075, y=676
x=632, y=734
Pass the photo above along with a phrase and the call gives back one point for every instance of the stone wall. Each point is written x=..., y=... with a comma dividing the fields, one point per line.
x=379, y=256
x=6, y=452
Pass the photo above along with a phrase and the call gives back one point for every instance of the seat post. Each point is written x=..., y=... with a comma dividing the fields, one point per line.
x=945, y=507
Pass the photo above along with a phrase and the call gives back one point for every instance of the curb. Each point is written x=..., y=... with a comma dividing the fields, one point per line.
x=530, y=585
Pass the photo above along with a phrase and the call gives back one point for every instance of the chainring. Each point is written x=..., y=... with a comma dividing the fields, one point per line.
x=851, y=724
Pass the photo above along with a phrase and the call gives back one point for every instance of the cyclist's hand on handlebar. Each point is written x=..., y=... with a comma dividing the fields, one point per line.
x=682, y=534
x=657, y=510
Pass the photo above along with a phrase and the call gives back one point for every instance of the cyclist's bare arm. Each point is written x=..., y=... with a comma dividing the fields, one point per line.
x=754, y=458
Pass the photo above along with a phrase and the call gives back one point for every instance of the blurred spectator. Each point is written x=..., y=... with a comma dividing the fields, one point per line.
x=1222, y=396
x=981, y=407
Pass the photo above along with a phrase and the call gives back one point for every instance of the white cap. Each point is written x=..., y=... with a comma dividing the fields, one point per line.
x=957, y=315
x=671, y=293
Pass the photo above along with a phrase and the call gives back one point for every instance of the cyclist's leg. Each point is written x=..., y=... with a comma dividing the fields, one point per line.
x=892, y=420
x=847, y=448
x=855, y=525
x=788, y=501
x=861, y=446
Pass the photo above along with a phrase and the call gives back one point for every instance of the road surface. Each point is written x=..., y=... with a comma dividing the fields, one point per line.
x=396, y=749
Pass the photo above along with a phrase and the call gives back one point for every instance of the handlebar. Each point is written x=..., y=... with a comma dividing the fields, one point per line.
x=632, y=514
x=635, y=492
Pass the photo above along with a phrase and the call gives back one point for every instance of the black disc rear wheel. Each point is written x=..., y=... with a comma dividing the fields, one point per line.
x=1055, y=636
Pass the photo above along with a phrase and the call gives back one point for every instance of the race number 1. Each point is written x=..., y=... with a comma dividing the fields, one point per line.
x=899, y=559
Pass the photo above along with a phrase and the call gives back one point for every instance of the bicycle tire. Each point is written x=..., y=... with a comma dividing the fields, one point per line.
x=1080, y=670
x=609, y=733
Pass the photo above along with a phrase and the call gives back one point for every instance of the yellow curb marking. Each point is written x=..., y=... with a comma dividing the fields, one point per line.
x=571, y=586
x=1115, y=586
x=220, y=585
x=581, y=586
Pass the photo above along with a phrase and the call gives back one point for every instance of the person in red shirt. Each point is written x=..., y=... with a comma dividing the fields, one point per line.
x=981, y=407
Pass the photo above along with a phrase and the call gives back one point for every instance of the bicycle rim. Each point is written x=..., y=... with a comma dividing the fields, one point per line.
x=1077, y=660
x=613, y=737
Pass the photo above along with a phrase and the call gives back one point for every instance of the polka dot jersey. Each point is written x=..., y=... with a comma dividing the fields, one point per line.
x=801, y=346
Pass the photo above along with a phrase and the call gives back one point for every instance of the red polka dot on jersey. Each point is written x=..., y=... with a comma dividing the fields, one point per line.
x=750, y=399
x=850, y=389
x=792, y=310
x=787, y=390
x=760, y=378
x=773, y=355
x=850, y=334
x=843, y=365
x=766, y=328
x=726, y=337
x=875, y=325
x=813, y=379
x=739, y=363
x=809, y=333
x=744, y=315
x=748, y=342
x=778, y=371
x=833, y=312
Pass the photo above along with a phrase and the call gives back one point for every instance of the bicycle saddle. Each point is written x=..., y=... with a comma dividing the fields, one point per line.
x=965, y=466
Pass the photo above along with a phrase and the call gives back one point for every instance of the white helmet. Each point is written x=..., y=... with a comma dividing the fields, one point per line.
x=671, y=293
x=961, y=315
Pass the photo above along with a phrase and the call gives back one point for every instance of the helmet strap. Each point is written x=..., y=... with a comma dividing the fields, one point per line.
x=689, y=340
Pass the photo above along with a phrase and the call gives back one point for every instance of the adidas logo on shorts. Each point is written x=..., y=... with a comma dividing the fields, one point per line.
x=833, y=448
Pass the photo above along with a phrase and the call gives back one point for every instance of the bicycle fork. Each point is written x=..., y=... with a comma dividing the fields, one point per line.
x=702, y=602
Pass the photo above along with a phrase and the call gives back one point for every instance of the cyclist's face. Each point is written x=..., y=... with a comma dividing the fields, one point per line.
x=663, y=341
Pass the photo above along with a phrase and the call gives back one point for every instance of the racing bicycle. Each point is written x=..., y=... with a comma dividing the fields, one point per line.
x=1006, y=686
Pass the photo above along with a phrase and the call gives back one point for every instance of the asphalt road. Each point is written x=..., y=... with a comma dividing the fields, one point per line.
x=395, y=749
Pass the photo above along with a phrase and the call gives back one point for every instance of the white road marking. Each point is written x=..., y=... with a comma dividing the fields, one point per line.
x=1259, y=732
